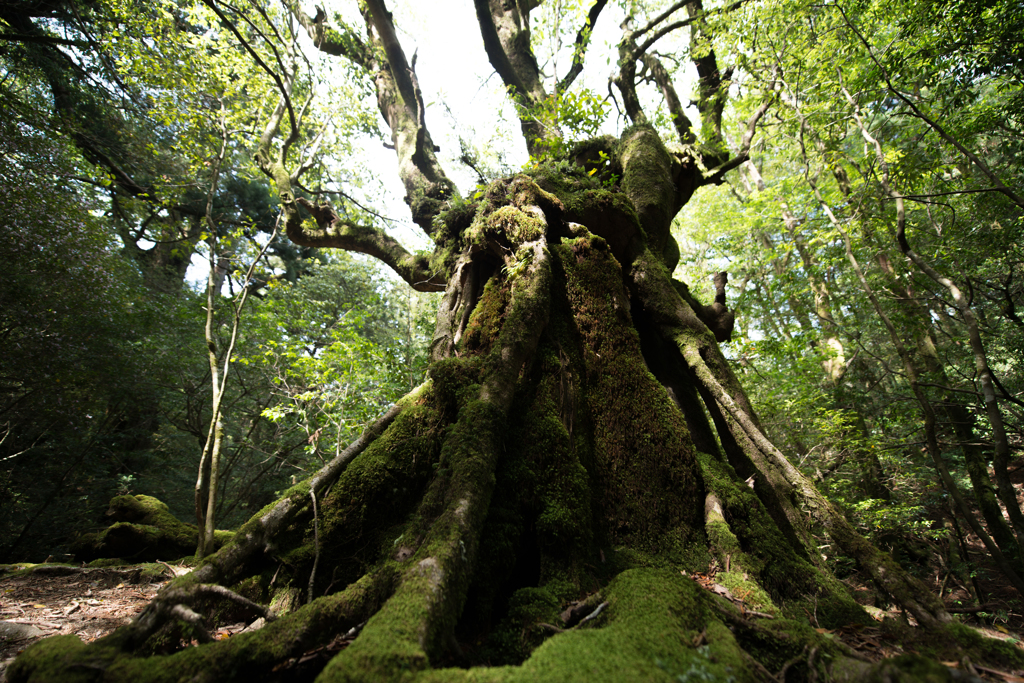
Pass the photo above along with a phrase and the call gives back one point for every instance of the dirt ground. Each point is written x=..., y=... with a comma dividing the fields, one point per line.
x=58, y=600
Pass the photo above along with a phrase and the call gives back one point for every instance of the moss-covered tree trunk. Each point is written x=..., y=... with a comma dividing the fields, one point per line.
x=558, y=464
x=538, y=508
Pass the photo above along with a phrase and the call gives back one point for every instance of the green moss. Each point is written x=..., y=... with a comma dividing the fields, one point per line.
x=247, y=656
x=802, y=590
x=520, y=632
x=48, y=659
x=144, y=529
x=518, y=226
x=374, y=494
x=426, y=604
x=742, y=588
x=648, y=486
x=954, y=642
x=646, y=632
x=152, y=572
x=648, y=182
x=487, y=318
x=107, y=562
x=910, y=668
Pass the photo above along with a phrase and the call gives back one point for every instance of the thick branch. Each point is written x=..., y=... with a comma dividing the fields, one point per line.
x=626, y=78
x=332, y=231
x=400, y=103
x=384, y=25
x=711, y=86
x=682, y=123
x=346, y=43
x=714, y=176
x=505, y=29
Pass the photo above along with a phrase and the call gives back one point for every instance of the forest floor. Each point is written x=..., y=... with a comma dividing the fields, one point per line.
x=92, y=602
x=60, y=599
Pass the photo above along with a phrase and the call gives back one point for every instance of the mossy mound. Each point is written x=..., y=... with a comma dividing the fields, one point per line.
x=144, y=530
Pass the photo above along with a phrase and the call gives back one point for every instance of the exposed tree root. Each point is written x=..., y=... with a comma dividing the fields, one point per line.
x=259, y=534
x=677, y=321
x=176, y=602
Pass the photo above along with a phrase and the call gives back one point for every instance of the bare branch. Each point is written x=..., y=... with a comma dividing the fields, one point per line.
x=675, y=25
x=682, y=123
x=332, y=231
x=580, y=46
x=672, y=9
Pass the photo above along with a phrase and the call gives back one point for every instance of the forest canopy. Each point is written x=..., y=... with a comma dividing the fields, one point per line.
x=694, y=318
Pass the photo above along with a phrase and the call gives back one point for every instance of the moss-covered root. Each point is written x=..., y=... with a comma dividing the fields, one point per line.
x=227, y=566
x=418, y=619
x=736, y=567
x=657, y=626
x=748, y=542
x=908, y=591
x=675, y=320
x=245, y=657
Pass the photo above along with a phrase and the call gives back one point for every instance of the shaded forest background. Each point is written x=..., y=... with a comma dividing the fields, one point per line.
x=127, y=134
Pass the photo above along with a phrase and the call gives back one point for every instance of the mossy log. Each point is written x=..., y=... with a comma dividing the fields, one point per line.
x=144, y=530
x=534, y=510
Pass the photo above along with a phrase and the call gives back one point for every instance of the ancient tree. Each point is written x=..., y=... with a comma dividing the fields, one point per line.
x=580, y=445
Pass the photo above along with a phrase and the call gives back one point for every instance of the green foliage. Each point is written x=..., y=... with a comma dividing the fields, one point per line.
x=579, y=115
x=70, y=410
x=824, y=373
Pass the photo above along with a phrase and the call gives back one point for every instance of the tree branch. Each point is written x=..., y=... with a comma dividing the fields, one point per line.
x=714, y=176
x=43, y=39
x=665, y=30
x=682, y=123
x=345, y=44
x=506, y=36
x=332, y=231
x=580, y=47
x=285, y=94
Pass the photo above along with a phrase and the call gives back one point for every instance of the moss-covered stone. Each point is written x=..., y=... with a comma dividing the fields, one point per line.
x=144, y=530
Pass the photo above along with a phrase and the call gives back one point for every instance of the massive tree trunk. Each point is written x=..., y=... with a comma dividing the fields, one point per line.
x=538, y=502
